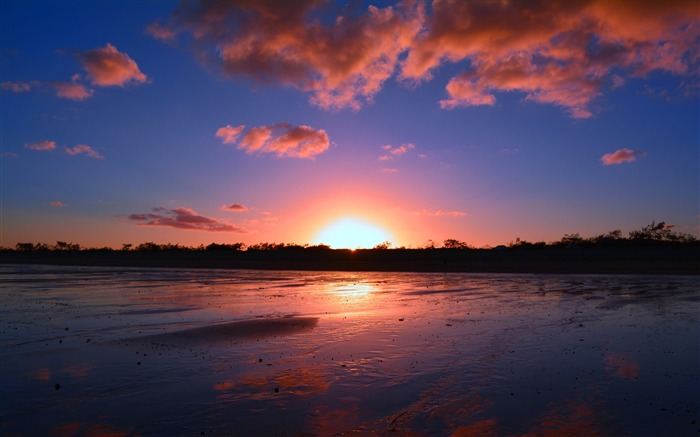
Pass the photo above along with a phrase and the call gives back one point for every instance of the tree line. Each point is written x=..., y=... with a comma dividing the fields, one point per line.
x=653, y=234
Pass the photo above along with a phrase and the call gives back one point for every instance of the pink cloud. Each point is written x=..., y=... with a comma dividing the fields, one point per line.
x=555, y=53
x=184, y=218
x=543, y=83
x=622, y=155
x=160, y=32
x=234, y=207
x=390, y=170
x=229, y=134
x=395, y=151
x=465, y=92
x=342, y=64
x=82, y=148
x=439, y=213
x=17, y=86
x=402, y=149
x=57, y=203
x=109, y=67
x=41, y=145
x=72, y=90
x=282, y=139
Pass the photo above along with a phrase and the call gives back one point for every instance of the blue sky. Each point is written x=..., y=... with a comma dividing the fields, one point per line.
x=415, y=119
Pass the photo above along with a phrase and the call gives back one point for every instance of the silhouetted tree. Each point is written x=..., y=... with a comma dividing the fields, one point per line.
x=25, y=247
x=62, y=245
x=653, y=231
x=148, y=246
x=454, y=244
x=571, y=240
x=661, y=232
x=383, y=246
x=226, y=247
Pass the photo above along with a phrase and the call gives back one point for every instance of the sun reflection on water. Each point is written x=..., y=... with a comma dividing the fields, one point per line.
x=352, y=293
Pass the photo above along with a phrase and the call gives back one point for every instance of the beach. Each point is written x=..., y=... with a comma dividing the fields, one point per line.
x=169, y=351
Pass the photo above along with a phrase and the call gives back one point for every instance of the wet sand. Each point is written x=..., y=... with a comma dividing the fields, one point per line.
x=130, y=351
x=254, y=329
x=674, y=260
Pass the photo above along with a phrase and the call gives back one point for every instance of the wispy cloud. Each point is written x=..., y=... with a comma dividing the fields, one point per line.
x=229, y=134
x=41, y=145
x=58, y=204
x=439, y=213
x=84, y=149
x=390, y=170
x=184, y=218
x=18, y=86
x=621, y=156
x=392, y=152
x=160, y=32
x=282, y=139
x=558, y=53
x=107, y=66
x=73, y=90
x=236, y=207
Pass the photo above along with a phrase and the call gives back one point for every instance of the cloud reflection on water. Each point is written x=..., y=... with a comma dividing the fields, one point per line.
x=433, y=354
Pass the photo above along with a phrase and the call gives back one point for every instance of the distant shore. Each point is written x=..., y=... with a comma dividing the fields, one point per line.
x=651, y=260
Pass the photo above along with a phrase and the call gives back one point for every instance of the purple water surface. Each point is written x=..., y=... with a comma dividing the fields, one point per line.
x=123, y=351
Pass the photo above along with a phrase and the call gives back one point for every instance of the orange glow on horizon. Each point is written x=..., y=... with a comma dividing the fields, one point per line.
x=352, y=233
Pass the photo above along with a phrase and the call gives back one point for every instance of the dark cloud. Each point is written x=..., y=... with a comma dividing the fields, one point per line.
x=183, y=218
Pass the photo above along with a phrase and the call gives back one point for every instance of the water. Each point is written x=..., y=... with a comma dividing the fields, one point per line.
x=120, y=351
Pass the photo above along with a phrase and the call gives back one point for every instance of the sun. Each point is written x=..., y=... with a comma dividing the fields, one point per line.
x=352, y=233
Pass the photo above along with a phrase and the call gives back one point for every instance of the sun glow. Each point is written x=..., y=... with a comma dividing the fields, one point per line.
x=352, y=233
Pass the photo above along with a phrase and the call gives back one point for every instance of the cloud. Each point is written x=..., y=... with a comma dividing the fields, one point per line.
x=160, y=32
x=439, y=213
x=229, y=134
x=556, y=53
x=18, y=86
x=105, y=66
x=342, y=63
x=550, y=83
x=82, y=148
x=109, y=67
x=282, y=139
x=183, y=218
x=57, y=203
x=622, y=155
x=395, y=151
x=234, y=207
x=73, y=90
x=390, y=170
x=565, y=54
x=68, y=90
x=41, y=145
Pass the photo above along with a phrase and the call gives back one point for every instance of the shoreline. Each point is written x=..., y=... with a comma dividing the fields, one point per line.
x=650, y=260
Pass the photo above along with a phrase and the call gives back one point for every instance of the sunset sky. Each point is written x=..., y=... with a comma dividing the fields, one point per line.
x=289, y=121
